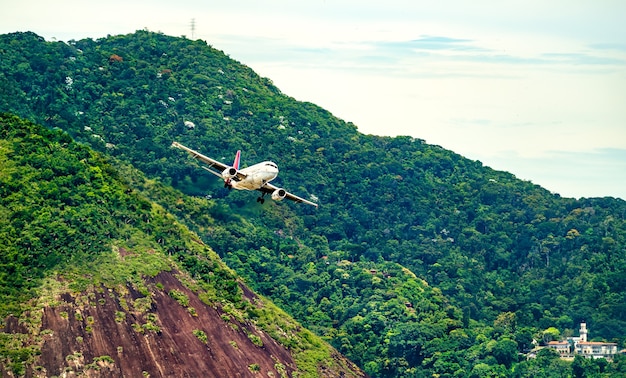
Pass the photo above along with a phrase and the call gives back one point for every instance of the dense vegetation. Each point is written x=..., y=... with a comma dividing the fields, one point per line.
x=64, y=206
x=417, y=262
x=66, y=213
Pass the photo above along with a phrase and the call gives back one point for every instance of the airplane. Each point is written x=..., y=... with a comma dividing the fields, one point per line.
x=254, y=177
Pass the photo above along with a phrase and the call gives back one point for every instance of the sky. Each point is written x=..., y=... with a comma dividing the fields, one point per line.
x=536, y=88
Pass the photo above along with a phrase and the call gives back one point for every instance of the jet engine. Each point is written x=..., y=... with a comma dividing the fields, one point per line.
x=229, y=173
x=279, y=194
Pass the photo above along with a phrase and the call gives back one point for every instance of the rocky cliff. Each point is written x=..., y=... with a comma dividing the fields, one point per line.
x=158, y=328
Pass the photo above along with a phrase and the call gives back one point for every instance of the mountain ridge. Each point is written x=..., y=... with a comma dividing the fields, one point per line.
x=503, y=259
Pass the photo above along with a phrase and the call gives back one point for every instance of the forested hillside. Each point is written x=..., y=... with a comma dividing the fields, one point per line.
x=417, y=262
x=95, y=280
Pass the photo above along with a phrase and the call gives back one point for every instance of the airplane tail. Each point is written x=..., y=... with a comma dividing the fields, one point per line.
x=237, y=160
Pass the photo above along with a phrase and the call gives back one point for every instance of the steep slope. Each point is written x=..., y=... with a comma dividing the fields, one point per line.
x=92, y=333
x=97, y=281
x=418, y=261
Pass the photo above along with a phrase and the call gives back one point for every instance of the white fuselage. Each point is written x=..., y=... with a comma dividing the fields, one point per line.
x=256, y=176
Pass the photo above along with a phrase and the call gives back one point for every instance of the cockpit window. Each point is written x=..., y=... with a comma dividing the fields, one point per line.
x=272, y=165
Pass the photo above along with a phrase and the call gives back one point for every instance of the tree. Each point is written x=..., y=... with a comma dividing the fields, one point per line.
x=505, y=352
x=550, y=334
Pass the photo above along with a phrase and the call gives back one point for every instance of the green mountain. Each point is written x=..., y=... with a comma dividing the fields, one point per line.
x=96, y=280
x=417, y=262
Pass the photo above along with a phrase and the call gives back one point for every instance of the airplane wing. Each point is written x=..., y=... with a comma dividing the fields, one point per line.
x=210, y=162
x=269, y=189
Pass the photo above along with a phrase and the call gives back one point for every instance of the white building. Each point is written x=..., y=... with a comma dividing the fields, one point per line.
x=563, y=347
x=596, y=349
x=591, y=349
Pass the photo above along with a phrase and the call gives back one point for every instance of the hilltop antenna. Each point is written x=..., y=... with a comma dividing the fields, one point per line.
x=193, y=28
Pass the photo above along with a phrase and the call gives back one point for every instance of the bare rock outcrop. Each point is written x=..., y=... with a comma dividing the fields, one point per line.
x=164, y=332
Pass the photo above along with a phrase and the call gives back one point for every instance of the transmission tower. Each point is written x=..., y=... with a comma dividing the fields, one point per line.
x=193, y=28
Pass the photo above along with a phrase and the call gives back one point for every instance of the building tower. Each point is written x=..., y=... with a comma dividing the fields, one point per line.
x=583, y=332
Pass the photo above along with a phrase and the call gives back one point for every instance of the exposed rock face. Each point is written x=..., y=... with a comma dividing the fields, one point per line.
x=168, y=333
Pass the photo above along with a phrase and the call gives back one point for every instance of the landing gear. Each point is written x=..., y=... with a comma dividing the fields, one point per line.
x=260, y=199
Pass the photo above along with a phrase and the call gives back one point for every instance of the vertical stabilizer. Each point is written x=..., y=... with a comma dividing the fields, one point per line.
x=237, y=160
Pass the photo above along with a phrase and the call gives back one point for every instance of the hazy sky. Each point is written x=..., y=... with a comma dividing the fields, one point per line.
x=536, y=88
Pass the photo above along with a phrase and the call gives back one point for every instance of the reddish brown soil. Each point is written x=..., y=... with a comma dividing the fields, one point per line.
x=78, y=345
